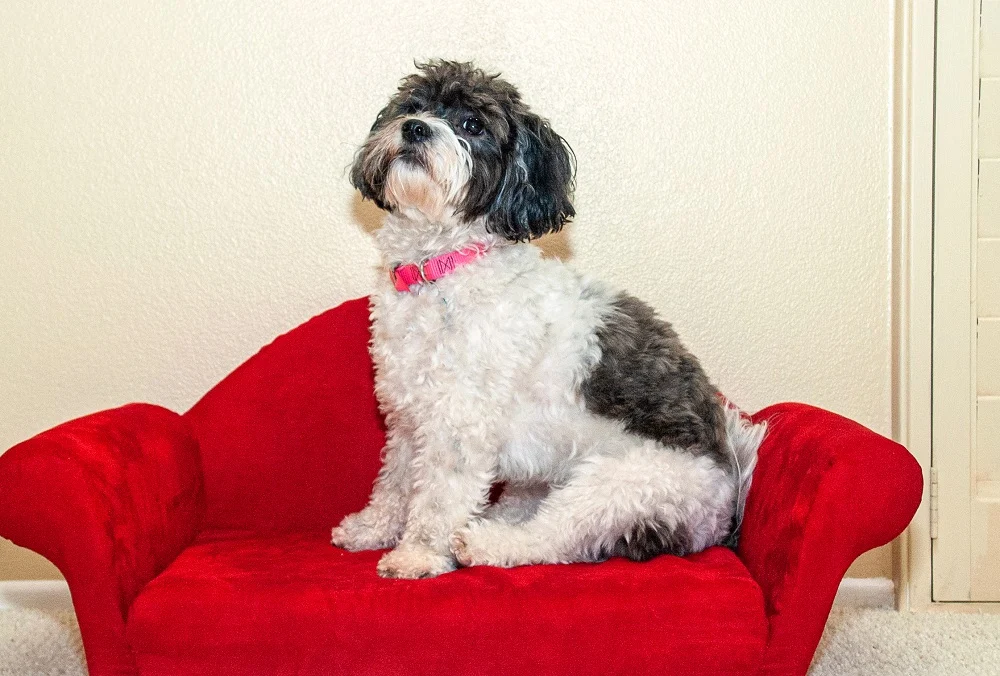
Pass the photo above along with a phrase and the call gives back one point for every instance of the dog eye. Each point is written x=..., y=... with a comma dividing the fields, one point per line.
x=473, y=125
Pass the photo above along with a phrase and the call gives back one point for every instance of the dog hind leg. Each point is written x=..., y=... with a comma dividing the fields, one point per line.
x=642, y=500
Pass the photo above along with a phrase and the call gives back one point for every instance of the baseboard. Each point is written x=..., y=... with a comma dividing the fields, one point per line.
x=35, y=594
x=854, y=592
x=866, y=592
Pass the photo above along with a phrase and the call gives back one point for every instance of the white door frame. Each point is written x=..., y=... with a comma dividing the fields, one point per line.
x=953, y=383
x=917, y=27
x=913, y=199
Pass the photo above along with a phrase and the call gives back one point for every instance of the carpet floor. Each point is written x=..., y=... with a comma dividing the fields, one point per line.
x=862, y=641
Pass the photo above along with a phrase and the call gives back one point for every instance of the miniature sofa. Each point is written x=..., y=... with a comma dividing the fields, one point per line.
x=198, y=543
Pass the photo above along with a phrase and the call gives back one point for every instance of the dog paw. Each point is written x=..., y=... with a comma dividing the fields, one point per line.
x=469, y=547
x=459, y=545
x=357, y=533
x=414, y=563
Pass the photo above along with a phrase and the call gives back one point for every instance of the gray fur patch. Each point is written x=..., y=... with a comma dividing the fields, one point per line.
x=647, y=379
x=649, y=539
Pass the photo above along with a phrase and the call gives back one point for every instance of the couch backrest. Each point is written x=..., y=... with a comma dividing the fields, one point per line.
x=290, y=440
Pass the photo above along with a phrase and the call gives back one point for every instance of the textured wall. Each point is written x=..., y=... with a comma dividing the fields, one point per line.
x=173, y=190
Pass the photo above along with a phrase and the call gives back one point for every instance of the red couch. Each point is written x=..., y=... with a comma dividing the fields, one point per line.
x=198, y=543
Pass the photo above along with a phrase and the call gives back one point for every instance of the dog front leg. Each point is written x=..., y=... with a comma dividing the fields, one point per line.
x=452, y=479
x=380, y=523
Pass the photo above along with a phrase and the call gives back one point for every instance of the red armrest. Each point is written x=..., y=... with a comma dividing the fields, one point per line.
x=825, y=491
x=111, y=499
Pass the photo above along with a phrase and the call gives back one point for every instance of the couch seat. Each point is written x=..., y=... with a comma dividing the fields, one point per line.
x=293, y=604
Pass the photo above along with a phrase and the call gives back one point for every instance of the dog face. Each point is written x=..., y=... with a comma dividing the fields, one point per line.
x=458, y=144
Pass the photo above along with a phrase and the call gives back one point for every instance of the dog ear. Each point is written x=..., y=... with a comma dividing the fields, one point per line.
x=370, y=190
x=534, y=193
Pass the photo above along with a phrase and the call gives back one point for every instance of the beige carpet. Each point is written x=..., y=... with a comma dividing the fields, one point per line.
x=877, y=642
x=40, y=642
x=857, y=642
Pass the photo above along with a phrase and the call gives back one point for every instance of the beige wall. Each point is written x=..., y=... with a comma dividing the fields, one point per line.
x=173, y=190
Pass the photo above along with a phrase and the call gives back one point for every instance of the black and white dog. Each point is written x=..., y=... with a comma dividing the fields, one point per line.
x=494, y=364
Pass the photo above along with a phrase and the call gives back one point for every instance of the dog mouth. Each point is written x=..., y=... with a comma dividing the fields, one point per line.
x=411, y=156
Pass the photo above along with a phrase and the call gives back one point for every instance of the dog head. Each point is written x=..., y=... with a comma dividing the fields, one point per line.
x=456, y=143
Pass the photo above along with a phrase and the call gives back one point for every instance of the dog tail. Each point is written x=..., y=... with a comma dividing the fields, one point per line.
x=743, y=438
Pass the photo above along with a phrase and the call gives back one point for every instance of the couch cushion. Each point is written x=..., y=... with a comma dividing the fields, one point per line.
x=290, y=440
x=293, y=604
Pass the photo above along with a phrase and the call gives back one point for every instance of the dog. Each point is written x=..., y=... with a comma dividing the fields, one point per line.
x=495, y=364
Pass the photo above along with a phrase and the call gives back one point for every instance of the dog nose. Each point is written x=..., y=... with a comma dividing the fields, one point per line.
x=415, y=131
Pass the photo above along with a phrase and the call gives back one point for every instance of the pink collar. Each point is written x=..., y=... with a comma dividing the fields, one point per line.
x=404, y=277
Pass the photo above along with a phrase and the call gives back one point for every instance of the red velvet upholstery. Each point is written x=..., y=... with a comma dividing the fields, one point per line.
x=825, y=491
x=290, y=441
x=292, y=604
x=111, y=499
x=208, y=533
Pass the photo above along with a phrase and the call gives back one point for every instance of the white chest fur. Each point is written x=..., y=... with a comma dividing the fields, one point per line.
x=488, y=348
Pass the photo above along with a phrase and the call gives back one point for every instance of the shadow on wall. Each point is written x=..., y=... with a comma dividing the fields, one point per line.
x=18, y=563
x=366, y=214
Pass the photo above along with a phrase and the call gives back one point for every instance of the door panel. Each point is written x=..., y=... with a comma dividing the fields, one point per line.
x=966, y=324
x=985, y=545
x=989, y=197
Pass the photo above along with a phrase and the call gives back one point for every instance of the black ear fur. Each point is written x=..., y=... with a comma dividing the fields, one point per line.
x=534, y=195
x=358, y=180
